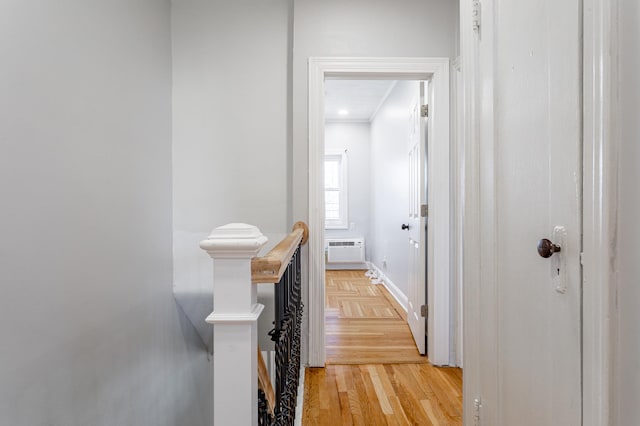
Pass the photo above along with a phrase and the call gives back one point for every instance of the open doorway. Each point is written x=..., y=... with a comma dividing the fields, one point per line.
x=433, y=384
x=436, y=72
x=375, y=229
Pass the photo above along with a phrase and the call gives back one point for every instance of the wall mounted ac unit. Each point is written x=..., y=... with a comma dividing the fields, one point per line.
x=346, y=250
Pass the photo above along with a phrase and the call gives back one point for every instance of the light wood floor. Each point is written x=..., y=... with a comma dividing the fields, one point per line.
x=364, y=323
x=374, y=374
x=382, y=394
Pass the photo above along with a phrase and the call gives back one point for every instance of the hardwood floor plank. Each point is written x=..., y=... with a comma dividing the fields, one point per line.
x=333, y=399
x=381, y=393
x=354, y=399
x=426, y=404
x=449, y=397
x=400, y=418
x=311, y=393
x=371, y=413
x=345, y=414
x=374, y=374
x=412, y=392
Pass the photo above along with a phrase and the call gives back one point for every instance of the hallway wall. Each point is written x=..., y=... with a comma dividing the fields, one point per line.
x=627, y=361
x=390, y=178
x=91, y=334
x=230, y=125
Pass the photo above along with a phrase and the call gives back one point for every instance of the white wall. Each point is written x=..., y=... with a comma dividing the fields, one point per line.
x=90, y=331
x=390, y=183
x=231, y=145
x=355, y=138
x=627, y=361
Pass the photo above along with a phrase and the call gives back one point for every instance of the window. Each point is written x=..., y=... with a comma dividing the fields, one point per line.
x=335, y=191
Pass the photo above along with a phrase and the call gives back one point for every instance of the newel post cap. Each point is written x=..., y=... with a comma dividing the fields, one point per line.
x=234, y=240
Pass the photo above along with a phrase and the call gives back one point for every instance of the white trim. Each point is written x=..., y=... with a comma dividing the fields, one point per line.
x=393, y=289
x=479, y=273
x=600, y=148
x=240, y=318
x=439, y=219
x=234, y=241
x=457, y=213
x=434, y=69
x=316, y=355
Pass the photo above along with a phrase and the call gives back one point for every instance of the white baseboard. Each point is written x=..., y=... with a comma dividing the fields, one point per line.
x=397, y=294
x=345, y=266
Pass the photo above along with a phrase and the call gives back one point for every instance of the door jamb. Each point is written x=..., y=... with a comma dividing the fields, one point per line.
x=435, y=69
x=600, y=210
x=480, y=384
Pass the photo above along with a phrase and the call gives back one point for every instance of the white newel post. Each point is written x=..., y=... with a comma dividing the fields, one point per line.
x=234, y=318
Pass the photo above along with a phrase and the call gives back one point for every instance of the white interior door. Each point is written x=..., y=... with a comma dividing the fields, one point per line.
x=416, y=226
x=530, y=188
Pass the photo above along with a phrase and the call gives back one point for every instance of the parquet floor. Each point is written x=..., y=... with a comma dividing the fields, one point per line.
x=364, y=323
x=374, y=374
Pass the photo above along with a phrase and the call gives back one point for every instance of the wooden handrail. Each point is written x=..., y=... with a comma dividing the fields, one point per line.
x=270, y=268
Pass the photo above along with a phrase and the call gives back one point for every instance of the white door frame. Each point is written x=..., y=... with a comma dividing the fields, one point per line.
x=437, y=71
x=600, y=207
x=480, y=387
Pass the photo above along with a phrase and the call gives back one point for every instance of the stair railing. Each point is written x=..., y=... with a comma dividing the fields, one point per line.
x=243, y=394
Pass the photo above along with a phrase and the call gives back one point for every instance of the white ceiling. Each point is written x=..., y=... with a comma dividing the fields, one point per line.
x=361, y=98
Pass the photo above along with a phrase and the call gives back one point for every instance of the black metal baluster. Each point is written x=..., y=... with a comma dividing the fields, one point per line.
x=264, y=417
x=286, y=335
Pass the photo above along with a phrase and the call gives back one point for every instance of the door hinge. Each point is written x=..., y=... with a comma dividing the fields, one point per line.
x=477, y=405
x=424, y=210
x=424, y=311
x=424, y=111
x=476, y=14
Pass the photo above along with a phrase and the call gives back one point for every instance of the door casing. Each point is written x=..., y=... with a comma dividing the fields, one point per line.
x=437, y=71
